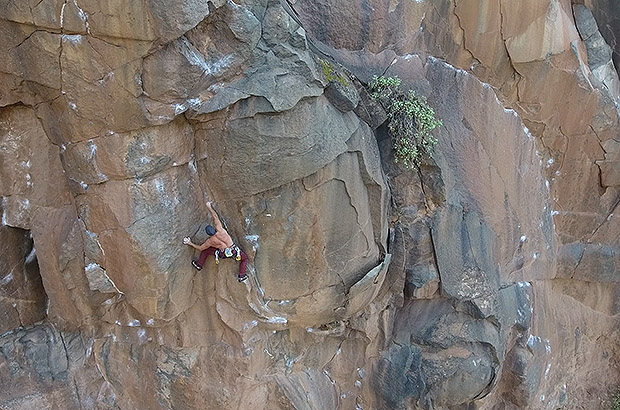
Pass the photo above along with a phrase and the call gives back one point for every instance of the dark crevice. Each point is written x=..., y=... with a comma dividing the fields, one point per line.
x=28, y=37
x=583, y=251
x=22, y=285
x=435, y=260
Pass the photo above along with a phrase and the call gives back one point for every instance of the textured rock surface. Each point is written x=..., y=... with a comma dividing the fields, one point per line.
x=22, y=296
x=486, y=279
x=486, y=245
x=606, y=13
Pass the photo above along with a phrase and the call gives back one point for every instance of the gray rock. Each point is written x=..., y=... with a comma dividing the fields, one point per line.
x=422, y=278
x=370, y=110
x=281, y=68
x=98, y=280
x=517, y=307
x=278, y=25
x=457, y=356
x=437, y=323
x=599, y=52
x=309, y=390
x=215, y=51
x=305, y=138
x=467, y=268
x=599, y=263
x=398, y=378
x=43, y=368
x=39, y=348
x=595, y=261
x=457, y=375
x=522, y=376
x=608, y=19
x=177, y=17
x=22, y=296
x=342, y=96
x=586, y=24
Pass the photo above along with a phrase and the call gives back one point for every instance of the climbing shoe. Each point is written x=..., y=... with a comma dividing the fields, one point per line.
x=196, y=265
x=242, y=278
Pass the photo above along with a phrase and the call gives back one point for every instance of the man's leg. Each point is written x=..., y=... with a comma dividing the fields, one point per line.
x=242, y=265
x=203, y=257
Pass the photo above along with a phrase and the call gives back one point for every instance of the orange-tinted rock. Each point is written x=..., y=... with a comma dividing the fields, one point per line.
x=543, y=29
x=480, y=280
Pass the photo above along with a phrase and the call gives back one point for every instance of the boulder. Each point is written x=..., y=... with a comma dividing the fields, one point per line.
x=42, y=367
x=287, y=224
x=342, y=95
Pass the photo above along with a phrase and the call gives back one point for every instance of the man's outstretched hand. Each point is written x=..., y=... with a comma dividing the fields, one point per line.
x=209, y=204
x=186, y=240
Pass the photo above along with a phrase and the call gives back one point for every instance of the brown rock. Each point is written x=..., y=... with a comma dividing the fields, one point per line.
x=482, y=24
x=58, y=241
x=318, y=254
x=152, y=109
x=29, y=161
x=126, y=217
x=138, y=154
x=151, y=21
x=31, y=54
x=544, y=29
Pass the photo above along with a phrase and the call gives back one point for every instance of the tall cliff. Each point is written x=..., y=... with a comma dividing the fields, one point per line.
x=487, y=278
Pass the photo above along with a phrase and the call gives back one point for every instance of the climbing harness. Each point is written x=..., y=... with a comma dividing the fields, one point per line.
x=228, y=253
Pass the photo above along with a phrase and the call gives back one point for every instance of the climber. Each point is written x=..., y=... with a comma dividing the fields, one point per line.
x=218, y=244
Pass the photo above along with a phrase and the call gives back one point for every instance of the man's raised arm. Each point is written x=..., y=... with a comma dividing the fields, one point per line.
x=216, y=219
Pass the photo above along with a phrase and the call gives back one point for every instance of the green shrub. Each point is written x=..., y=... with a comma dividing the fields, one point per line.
x=615, y=401
x=410, y=120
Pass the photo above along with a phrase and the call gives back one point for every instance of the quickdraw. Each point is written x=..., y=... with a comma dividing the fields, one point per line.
x=228, y=253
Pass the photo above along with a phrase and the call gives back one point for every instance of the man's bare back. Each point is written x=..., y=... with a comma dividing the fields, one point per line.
x=221, y=240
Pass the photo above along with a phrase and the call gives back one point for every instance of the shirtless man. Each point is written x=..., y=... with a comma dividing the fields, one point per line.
x=218, y=244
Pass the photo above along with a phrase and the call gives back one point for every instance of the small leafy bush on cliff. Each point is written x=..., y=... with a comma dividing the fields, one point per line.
x=615, y=401
x=410, y=120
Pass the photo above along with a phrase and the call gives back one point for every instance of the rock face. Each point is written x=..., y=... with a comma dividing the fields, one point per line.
x=487, y=278
x=606, y=13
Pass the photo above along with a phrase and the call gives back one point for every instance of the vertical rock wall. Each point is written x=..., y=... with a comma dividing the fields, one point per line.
x=486, y=278
x=549, y=63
